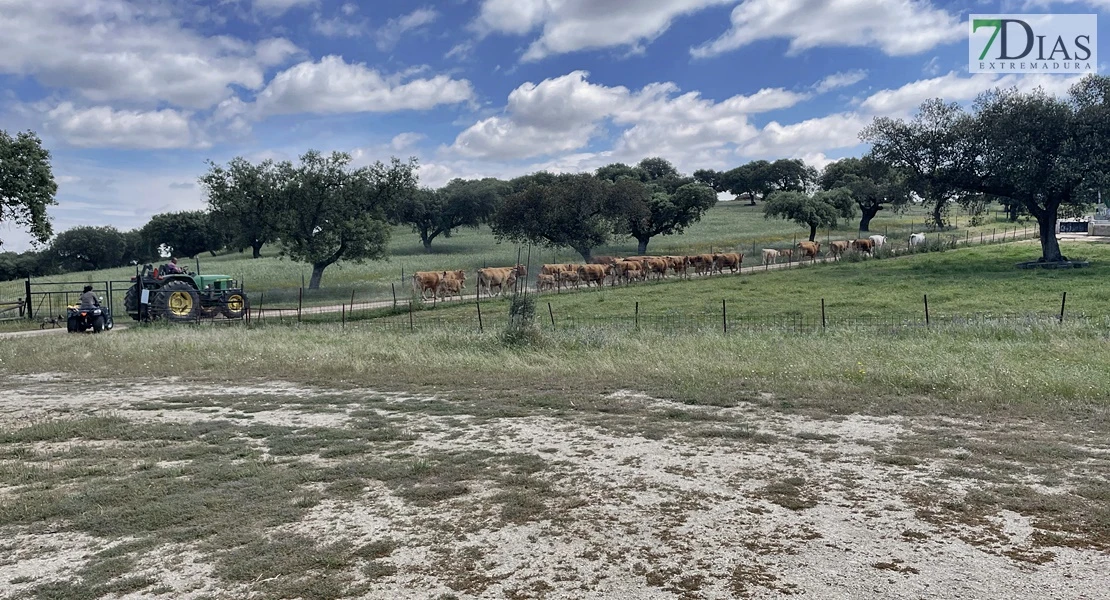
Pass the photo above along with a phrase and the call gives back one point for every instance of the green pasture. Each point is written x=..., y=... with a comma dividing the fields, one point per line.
x=980, y=282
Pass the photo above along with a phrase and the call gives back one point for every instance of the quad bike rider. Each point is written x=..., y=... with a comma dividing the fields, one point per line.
x=88, y=314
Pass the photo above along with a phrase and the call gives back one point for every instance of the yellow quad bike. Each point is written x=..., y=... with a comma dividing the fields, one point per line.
x=183, y=297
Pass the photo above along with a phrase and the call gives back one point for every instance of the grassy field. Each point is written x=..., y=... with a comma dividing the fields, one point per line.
x=733, y=226
x=977, y=283
x=325, y=462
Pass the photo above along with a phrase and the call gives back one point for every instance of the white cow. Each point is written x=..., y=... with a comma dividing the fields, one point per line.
x=917, y=239
x=878, y=240
x=770, y=256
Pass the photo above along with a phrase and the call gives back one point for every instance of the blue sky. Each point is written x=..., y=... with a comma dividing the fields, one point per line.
x=132, y=96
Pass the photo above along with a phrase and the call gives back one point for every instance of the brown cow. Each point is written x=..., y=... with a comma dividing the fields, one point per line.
x=553, y=269
x=863, y=245
x=592, y=273
x=786, y=253
x=500, y=277
x=703, y=264
x=422, y=281
x=678, y=264
x=732, y=260
x=657, y=267
x=451, y=286
x=620, y=269
x=809, y=249
x=568, y=277
x=603, y=260
x=838, y=248
x=545, y=282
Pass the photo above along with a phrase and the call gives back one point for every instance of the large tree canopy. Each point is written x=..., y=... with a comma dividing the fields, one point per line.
x=1043, y=152
x=245, y=199
x=822, y=209
x=874, y=185
x=759, y=178
x=331, y=212
x=933, y=150
x=91, y=248
x=27, y=184
x=186, y=233
x=667, y=204
x=578, y=211
x=460, y=203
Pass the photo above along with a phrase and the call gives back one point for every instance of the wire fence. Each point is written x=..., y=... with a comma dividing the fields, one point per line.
x=397, y=306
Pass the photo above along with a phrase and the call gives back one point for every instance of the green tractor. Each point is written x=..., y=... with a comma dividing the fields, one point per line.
x=183, y=297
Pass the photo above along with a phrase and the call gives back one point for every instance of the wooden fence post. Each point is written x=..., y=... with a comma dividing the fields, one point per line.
x=551, y=314
x=300, y=300
x=391, y=286
x=478, y=305
x=343, y=316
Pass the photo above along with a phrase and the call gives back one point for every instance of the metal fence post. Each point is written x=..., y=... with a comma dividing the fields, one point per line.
x=822, y=314
x=29, y=315
x=1062, y=302
x=636, y=317
x=478, y=305
x=926, y=296
x=411, y=328
x=391, y=286
x=551, y=314
x=300, y=301
x=724, y=315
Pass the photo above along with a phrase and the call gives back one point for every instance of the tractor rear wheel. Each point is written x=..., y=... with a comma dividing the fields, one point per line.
x=177, y=301
x=131, y=302
x=235, y=306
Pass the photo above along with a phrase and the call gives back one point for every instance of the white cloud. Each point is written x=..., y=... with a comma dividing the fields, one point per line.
x=564, y=113
x=957, y=88
x=104, y=127
x=572, y=25
x=332, y=86
x=389, y=34
x=897, y=27
x=279, y=7
x=812, y=136
x=840, y=80
x=115, y=50
x=338, y=26
x=405, y=141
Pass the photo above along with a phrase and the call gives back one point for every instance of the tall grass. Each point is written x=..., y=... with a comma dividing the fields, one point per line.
x=1033, y=366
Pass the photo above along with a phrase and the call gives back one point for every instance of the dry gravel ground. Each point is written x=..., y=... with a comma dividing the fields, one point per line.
x=629, y=497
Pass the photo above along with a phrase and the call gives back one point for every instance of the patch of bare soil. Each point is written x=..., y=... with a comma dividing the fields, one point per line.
x=738, y=502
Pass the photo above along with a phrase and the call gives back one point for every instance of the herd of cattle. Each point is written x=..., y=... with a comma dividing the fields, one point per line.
x=617, y=270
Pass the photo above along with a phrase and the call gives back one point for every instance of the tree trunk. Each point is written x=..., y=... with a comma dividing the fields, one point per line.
x=256, y=250
x=585, y=252
x=317, y=273
x=868, y=214
x=641, y=247
x=1050, y=246
x=812, y=232
x=938, y=213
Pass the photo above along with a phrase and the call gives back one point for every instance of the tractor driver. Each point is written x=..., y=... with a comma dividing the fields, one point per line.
x=88, y=298
x=172, y=267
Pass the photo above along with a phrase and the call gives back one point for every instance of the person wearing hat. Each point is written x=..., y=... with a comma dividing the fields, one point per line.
x=88, y=298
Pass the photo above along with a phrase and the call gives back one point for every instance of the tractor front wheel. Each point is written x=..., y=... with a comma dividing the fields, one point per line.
x=177, y=301
x=234, y=306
